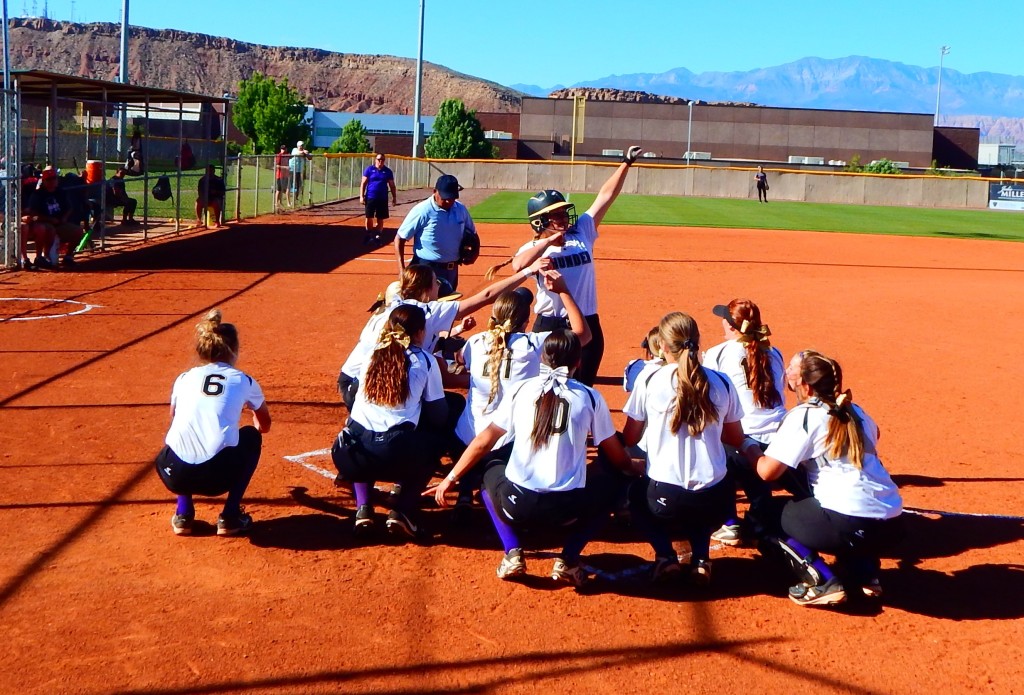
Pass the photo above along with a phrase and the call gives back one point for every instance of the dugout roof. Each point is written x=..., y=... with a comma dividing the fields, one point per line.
x=40, y=85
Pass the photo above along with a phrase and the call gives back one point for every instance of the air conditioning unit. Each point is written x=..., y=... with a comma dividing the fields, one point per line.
x=649, y=154
x=612, y=153
x=697, y=155
x=497, y=135
x=797, y=159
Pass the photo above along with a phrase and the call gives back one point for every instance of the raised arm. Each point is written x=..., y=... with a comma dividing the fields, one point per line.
x=527, y=256
x=490, y=293
x=613, y=186
x=554, y=282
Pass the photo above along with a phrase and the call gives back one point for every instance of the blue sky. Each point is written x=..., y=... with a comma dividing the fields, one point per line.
x=571, y=41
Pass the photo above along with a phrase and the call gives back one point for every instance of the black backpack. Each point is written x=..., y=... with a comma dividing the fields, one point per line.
x=162, y=188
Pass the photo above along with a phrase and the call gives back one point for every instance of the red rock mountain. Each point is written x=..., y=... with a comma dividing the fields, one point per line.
x=212, y=65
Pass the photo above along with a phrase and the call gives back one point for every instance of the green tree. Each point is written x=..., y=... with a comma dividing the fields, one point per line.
x=270, y=114
x=353, y=138
x=458, y=134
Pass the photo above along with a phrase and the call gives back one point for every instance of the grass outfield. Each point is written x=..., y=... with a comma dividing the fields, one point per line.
x=508, y=206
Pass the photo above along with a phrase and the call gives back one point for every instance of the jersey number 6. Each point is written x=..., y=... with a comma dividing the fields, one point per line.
x=213, y=384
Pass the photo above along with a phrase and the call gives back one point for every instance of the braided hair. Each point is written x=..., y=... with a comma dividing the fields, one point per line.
x=510, y=313
x=693, y=407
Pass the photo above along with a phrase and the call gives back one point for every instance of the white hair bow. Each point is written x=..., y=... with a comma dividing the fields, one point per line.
x=554, y=379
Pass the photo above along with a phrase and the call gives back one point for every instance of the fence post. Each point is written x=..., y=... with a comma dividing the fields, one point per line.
x=327, y=167
x=256, y=201
x=238, y=188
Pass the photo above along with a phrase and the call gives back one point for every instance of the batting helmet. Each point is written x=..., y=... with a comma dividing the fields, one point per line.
x=469, y=249
x=541, y=205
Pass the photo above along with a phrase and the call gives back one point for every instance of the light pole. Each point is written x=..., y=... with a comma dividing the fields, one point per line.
x=689, y=130
x=417, y=130
x=943, y=52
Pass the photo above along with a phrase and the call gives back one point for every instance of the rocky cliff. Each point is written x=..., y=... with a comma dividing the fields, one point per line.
x=214, y=65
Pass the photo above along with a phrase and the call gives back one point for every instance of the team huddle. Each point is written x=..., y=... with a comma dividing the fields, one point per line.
x=700, y=423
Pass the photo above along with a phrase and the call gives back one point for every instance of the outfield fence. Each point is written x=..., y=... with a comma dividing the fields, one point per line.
x=905, y=190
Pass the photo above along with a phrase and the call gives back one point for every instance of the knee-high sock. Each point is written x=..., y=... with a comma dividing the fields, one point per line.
x=185, y=506
x=362, y=491
x=506, y=533
x=811, y=558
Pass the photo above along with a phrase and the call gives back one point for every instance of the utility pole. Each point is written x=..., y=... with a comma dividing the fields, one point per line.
x=417, y=128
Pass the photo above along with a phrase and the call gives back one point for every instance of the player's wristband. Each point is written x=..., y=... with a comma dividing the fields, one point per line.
x=451, y=477
x=526, y=272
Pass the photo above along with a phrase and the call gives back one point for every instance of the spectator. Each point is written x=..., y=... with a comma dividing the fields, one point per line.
x=119, y=198
x=211, y=192
x=373, y=195
x=280, y=175
x=48, y=212
x=435, y=227
x=297, y=167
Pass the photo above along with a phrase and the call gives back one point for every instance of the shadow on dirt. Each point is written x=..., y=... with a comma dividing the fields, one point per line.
x=250, y=247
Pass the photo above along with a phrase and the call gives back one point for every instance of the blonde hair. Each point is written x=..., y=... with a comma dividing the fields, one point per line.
x=681, y=337
x=216, y=341
x=510, y=313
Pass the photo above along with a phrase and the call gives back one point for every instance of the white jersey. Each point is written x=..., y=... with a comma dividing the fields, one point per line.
x=574, y=261
x=521, y=361
x=640, y=369
x=562, y=463
x=440, y=317
x=758, y=423
x=837, y=484
x=208, y=402
x=424, y=386
x=692, y=463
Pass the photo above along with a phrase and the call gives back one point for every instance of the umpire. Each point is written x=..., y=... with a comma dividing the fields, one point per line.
x=436, y=226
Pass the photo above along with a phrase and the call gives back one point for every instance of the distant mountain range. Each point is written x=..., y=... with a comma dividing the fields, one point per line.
x=992, y=101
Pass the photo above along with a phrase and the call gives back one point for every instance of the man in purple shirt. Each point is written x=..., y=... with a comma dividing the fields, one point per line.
x=373, y=195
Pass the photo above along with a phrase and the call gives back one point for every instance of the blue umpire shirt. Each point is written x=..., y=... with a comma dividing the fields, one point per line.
x=437, y=232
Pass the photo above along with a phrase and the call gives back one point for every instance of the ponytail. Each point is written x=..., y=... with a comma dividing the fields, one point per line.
x=216, y=341
x=386, y=382
x=845, y=435
x=692, y=406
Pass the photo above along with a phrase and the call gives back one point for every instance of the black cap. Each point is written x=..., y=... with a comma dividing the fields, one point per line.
x=722, y=311
x=525, y=292
x=448, y=187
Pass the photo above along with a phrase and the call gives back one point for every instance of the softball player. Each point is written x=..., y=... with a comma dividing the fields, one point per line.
x=381, y=440
x=501, y=357
x=569, y=242
x=420, y=288
x=205, y=452
x=546, y=480
x=855, y=505
x=639, y=368
x=757, y=372
x=688, y=412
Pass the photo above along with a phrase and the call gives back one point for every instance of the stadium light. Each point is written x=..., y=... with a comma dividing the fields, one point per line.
x=943, y=52
x=417, y=130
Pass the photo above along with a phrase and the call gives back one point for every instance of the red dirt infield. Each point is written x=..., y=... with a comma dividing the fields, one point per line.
x=98, y=596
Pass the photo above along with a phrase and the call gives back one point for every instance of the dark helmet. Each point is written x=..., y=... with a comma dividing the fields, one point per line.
x=539, y=206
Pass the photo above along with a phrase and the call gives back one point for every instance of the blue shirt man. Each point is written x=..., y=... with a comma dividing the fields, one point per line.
x=377, y=180
x=436, y=226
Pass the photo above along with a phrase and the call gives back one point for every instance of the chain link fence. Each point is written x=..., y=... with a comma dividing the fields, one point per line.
x=327, y=178
x=9, y=181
